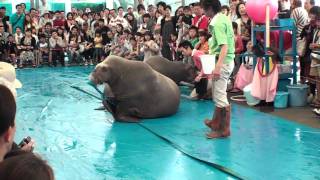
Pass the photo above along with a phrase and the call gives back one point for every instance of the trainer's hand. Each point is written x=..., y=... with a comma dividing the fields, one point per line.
x=216, y=73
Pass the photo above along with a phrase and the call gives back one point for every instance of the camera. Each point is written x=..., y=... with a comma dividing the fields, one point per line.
x=24, y=141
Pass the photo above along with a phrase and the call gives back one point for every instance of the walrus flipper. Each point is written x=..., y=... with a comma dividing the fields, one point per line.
x=130, y=116
x=126, y=118
x=110, y=105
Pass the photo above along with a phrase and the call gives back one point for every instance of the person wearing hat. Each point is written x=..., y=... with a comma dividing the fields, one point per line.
x=8, y=109
x=8, y=77
x=45, y=19
x=130, y=10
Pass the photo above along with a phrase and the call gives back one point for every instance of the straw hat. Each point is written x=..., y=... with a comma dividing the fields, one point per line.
x=8, y=72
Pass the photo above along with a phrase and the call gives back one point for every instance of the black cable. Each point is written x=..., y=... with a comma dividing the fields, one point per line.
x=177, y=147
x=79, y=89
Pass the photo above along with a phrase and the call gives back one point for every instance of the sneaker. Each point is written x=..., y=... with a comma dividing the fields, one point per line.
x=316, y=111
x=86, y=64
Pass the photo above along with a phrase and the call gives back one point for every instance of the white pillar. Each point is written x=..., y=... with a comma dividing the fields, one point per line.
x=14, y=3
x=109, y=4
x=67, y=6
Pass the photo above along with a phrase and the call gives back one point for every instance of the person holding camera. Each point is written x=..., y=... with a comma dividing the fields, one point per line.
x=16, y=162
x=8, y=109
x=7, y=120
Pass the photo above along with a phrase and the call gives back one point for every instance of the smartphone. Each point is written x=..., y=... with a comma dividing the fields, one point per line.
x=24, y=141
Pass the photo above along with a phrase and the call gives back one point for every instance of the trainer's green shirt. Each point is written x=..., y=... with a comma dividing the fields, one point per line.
x=221, y=30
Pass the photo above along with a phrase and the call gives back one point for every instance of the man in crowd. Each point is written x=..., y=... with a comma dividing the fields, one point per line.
x=308, y=4
x=200, y=20
x=17, y=19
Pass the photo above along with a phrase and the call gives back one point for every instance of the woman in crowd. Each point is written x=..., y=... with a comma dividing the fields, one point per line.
x=28, y=23
x=69, y=22
x=167, y=28
x=27, y=47
x=203, y=45
x=150, y=47
x=244, y=23
x=132, y=22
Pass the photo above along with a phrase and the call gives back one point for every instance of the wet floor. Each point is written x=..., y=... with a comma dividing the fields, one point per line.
x=82, y=143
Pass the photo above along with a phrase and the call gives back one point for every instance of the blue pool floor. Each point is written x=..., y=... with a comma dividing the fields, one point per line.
x=82, y=143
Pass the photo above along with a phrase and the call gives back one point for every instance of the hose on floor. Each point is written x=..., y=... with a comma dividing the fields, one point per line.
x=177, y=147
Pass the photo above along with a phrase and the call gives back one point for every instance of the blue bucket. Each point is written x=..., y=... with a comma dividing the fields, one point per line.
x=282, y=84
x=281, y=99
x=298, y=95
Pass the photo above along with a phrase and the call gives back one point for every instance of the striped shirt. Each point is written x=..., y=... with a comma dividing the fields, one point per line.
x=301, y=19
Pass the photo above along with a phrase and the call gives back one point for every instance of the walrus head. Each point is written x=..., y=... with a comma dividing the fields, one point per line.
x=100, y=74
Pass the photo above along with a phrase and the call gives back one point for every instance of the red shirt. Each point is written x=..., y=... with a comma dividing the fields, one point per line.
x=239, y=44
x=201, y=22
x=58, y=22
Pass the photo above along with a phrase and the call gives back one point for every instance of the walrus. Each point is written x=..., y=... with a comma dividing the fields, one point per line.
x=177, y=71
x=138, y=91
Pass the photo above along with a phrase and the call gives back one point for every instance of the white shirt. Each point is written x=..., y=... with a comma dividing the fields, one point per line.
x=159, y=20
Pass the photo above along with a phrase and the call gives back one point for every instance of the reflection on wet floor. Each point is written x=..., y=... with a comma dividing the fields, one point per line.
x=82, y=143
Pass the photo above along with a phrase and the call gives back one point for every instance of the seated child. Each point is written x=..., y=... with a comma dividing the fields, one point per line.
x=11, y=50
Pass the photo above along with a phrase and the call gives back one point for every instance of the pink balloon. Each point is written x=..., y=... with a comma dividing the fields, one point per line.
x=256, y=9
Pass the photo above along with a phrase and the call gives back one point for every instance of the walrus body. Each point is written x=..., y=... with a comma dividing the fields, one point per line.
x=177, y=71
x=138, y=90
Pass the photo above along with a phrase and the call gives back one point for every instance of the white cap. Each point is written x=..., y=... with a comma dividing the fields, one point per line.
x=8, y=72
x=9, y=85
x=130, y=6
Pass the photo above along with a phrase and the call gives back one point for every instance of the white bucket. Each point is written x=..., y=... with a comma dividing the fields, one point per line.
x=251, y=101
x=208, y=63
